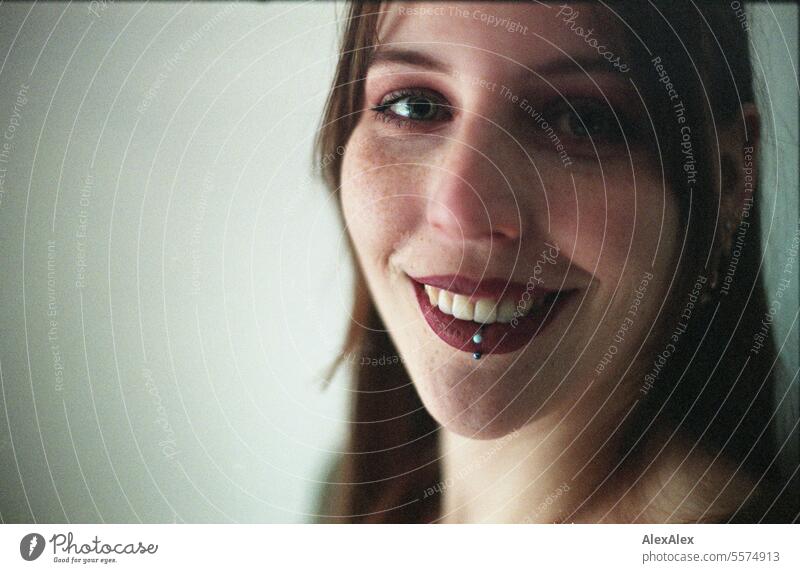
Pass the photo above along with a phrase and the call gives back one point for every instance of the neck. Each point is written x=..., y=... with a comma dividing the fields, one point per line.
x=559, y=468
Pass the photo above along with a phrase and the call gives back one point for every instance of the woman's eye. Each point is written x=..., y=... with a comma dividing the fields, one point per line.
x=588, y=120
x=411, y=106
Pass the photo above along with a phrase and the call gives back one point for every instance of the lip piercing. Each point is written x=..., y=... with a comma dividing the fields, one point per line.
x=477, y=338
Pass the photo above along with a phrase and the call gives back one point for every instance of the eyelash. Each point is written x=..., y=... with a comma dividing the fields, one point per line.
x=383, y=113
x=619, y=123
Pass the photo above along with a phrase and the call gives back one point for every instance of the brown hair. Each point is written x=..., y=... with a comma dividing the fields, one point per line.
x=712, y=390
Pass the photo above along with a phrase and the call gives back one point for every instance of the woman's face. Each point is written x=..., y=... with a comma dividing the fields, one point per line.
x=502, y=182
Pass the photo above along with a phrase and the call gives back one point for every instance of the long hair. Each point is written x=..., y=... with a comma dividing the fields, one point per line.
x=714, y=389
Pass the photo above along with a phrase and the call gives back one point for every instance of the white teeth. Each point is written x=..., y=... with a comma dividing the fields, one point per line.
x=463, y=309
x=505, y=314
x=433, y=294
x=485, y=311
x=446, y=301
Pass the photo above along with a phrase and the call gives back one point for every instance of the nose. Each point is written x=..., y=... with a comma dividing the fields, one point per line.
x=472, y=196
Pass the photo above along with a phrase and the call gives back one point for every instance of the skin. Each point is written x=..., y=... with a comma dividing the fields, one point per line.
x=478, y=191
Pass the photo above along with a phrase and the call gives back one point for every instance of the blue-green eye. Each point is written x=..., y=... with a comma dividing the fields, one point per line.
x=412, y=105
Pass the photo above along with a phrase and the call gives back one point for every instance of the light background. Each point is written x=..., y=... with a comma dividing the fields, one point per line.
x=166, y=366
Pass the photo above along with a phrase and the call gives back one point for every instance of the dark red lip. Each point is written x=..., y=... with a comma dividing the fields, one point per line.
x=497, y=338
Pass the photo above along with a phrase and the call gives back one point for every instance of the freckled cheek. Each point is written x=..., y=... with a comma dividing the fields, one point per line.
x=382, y=203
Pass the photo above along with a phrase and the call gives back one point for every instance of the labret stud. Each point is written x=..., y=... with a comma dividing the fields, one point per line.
x=477, y=338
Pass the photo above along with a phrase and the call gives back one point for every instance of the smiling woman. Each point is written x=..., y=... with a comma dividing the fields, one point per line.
x=530, y=297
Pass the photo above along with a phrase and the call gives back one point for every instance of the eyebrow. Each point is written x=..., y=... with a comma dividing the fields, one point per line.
x=393, y=55
x=415, y=58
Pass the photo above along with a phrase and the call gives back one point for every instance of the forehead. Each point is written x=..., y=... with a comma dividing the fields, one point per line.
x=499, y=33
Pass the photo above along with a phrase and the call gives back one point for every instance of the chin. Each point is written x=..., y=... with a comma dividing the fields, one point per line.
x=471, y=407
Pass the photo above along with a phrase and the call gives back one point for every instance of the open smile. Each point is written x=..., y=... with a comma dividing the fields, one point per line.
x=492, y=316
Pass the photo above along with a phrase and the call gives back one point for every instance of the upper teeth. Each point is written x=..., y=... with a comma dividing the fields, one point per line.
x=484, y=310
